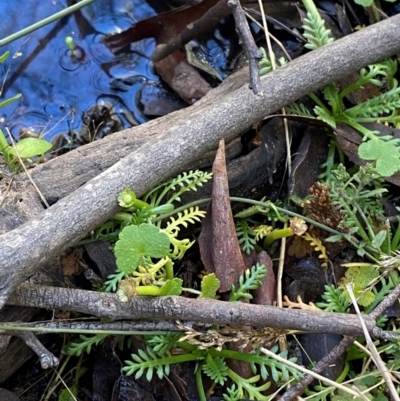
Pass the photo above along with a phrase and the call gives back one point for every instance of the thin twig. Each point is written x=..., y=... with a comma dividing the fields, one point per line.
x=374, y=352
x=44, y=22
x=387, y=302
x=273, y=65
x=47, y=359
x=314, y=375
x=328, y=359
x=275, y=39
x=252, y=52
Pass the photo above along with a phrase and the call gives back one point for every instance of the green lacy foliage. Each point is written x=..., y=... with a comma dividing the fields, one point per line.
x=249, y=235
x=338, y=299
x=83, y=344
x=209, y=286
x=171, y=190
x=358, y=197
x=384, y=151
x=250, y=280
x=335, y=300
x=315, y=32
x=158, y=358
x=265, y=63
x=144, y=248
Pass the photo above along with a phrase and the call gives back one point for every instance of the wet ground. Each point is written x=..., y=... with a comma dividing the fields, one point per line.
x=65, y=95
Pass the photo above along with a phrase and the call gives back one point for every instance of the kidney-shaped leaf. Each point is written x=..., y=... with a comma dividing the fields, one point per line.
x=138, y=241
x=29, y=147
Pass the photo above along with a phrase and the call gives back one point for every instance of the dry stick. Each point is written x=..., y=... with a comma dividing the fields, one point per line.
x=374, y=352
x=29, y=246
x=315, y=375
x=47, y=359
x=253, y=54
x=197, y=310
x=387, y=302
x=331, y=356
x=339, y=349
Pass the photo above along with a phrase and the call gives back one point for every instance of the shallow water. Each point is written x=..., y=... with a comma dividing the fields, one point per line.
x=63, y=95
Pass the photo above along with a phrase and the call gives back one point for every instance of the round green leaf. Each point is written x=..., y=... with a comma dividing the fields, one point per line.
x=138, y=241
x=386, y=154
x=29, y=147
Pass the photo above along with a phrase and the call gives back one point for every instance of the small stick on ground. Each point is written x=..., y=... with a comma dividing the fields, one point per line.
x=374, y=352
x=249, y=46
x=339, y=349
x=328, y=359
x=47, y=359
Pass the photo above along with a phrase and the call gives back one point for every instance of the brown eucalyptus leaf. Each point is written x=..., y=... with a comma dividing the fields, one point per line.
x=219, y=246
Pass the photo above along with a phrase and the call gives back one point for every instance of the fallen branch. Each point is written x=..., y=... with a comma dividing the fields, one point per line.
x=102, y=304
x=29, y=246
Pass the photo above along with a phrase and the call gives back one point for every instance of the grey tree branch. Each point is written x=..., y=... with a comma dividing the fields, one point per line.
x=223, y=113
x=102, y=304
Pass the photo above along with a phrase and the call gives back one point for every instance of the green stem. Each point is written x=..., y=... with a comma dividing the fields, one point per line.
x=199, y=384
x=276, y=234
x=44, y=22
x=311, y=8
x=354, y=124
x=367, y=223
x=354, y=218
x=148, y=290
x=16, y=327
x=354, y=242
x=4, y=148
x=317, y=101
x=396, y=238
x=123, y=217
x=169, y=270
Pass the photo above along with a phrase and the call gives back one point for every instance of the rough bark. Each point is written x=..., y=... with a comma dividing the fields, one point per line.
x=222, y=115
x=180, y=308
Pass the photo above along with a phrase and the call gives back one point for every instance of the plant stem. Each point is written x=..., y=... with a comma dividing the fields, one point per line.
x=199, y=384
x=354, y=242
x=148, y=290
x=396, y=238
x=4, y=148
x=277, y=234
x=311, y=8
x=123, y=217
x=44, y=22
x=169, y=270
x=83, y=331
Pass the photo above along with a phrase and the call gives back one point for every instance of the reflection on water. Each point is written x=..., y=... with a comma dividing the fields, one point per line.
x=90, y=93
